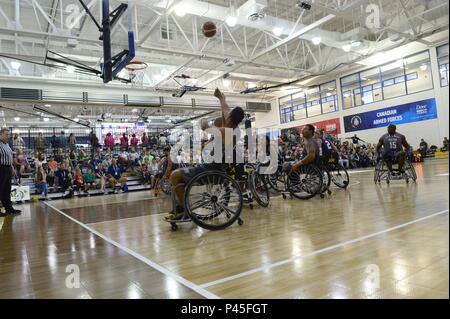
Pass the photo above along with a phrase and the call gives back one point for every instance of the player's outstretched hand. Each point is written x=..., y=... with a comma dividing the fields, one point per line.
x=219, y=94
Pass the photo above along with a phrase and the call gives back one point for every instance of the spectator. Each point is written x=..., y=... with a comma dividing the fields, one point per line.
x=109, y=141
x=444, y=148
x=95, y=143
x=423, y=148
x=72, y=142
x=41, y=182
x=162, y=140
x=89, y=181
x=54, y=141
x=64, y=179
x=62, y=141
x=124, y=142
x=344, y=159
x=39, y=160
x=50, y=179
x=52, y=164
x=73, y=159
x=145, y=175
x=18, y=142
x=78, y=181
x=40, y=143
x=153, y=141
x=145, y=140
x=115, y=176
x=134, y=141
x=21, y=164
x=100, y=175
x=147, y=157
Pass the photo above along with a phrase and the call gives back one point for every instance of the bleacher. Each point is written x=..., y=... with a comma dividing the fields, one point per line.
x=27, y=179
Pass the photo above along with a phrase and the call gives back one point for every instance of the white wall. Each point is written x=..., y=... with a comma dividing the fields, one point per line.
x=433, y=131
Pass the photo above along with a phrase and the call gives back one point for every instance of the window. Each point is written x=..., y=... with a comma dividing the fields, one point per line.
x=328, y=94
x=371, y=86
x=318, y=100
x=411, y=76
x=421, y=65
x=313, y=102
x=348, y=84
x=442, y=53
x=393, y=86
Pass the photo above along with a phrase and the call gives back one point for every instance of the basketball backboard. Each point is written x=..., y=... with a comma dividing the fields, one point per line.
x=118, y=39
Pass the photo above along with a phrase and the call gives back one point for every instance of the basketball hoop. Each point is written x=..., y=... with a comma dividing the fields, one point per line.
x=136, y=70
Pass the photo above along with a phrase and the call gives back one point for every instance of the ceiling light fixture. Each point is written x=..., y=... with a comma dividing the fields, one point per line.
x=70, y=69
x=356, y=44
x=423, y=67
x=15, y=65
x=47, y=105
x=316, y=40
x=231, y=21
x=347, y=47
x=277, y=31
x=17, y=119
x=180, y=10
x=46, y=119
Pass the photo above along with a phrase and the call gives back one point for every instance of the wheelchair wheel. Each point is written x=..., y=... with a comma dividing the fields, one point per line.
x=276, y=181
x=378, y=172
x=326, y=176
x=259, y=189
x=165, y=186
x=213, y=200
x=410, y=170
x=305, y=183
x=339, y=176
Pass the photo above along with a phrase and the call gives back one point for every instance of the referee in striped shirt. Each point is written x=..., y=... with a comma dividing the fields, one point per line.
x=6, y=169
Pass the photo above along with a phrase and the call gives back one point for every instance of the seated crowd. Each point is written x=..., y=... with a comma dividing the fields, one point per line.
x=76, y=171
x=350, y=155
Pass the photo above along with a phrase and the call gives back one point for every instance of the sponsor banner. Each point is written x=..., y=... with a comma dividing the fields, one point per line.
x=405, y=113
x=332, y=126
x=20, y=193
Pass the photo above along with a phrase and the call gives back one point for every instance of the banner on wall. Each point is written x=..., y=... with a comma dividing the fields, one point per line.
x=20, y=193
x=401, y=114
x=332, y=126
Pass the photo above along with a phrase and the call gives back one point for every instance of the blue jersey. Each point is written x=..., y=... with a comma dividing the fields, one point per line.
x=327, y=147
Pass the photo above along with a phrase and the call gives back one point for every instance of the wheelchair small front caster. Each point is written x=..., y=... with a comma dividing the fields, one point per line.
x=251, y=206
x=329, y=192
x=322, y=195
x=284, y=196
x=174, y=226
x=240, y=222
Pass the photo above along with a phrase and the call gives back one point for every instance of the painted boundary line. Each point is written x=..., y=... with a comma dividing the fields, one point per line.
x=317, y=252
x=200, y=290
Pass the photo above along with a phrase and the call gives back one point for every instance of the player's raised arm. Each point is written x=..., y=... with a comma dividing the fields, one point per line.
x=223, y=104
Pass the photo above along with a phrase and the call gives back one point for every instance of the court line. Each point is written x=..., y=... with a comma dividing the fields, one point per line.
x=200, y=290
x=317, y=252
x=363, y=171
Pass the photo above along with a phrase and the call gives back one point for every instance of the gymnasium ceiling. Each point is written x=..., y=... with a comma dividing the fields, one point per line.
x=247, y=54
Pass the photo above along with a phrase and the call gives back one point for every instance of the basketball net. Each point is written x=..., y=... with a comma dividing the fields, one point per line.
x=136, y=72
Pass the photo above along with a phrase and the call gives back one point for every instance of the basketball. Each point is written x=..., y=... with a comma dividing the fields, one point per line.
x=209, y=29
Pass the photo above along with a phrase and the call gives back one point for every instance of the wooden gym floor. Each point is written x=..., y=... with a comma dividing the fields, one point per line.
x=368, y=241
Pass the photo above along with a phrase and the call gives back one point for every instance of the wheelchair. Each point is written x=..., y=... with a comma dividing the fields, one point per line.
x=304, y=183
x=214, y=199
x=337, y=173
x=382, y=173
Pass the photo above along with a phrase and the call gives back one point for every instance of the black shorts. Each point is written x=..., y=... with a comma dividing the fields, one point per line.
x=189, y=173
x=392, y=156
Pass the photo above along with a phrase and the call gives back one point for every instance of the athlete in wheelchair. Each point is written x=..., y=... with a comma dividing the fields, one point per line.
x=304, y=179
x=206, y=193
x=394, y=147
